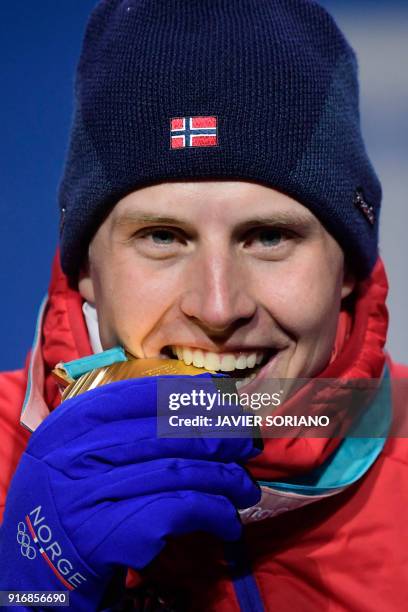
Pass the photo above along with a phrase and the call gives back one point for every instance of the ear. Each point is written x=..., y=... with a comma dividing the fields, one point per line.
x=349, y=282
x=85, y=283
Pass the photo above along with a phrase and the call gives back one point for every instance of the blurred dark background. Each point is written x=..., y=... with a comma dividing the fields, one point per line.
x=39, y=47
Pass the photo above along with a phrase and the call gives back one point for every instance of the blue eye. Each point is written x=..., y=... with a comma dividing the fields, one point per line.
x=270, y=237
x=162, y=236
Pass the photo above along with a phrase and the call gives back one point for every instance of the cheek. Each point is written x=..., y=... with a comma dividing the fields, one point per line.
x=132, y=302
x=304, y=299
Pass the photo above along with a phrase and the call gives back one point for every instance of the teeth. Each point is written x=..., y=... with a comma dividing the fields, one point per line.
x=228, y=363
x=198, y=358
x=225, y=362
x=212, y=361
x=251, y=360
x=241, y=362
x=187, y=356
x=244, y=381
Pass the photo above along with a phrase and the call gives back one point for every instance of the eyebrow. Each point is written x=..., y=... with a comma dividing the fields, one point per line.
x=129, y=218
x=280, y=218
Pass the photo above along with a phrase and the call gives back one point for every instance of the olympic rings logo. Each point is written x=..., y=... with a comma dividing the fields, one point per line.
x=24, y=540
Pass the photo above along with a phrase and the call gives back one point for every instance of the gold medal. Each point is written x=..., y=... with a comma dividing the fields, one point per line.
x=124, y=370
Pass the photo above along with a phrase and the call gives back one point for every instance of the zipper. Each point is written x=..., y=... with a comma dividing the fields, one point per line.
x=246, y=589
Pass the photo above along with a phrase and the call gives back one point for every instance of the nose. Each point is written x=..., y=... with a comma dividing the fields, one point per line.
x=216, y=296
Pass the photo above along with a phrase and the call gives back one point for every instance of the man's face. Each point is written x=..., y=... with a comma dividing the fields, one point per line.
x=228, y=275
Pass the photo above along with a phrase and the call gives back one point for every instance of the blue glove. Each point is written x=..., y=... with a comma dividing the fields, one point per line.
x=96, y=491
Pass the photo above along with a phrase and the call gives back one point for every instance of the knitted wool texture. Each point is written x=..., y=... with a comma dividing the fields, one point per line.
x=278, y=77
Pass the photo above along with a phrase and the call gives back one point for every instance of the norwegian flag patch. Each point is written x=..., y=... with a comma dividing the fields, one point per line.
x=193, y=132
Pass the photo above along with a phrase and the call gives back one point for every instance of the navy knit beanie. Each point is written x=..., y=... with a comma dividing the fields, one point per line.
x=262, y=90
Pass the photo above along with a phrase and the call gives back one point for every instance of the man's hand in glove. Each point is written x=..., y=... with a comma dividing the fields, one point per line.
x=96, y=491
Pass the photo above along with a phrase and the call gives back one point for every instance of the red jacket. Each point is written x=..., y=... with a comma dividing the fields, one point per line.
x=346, y=552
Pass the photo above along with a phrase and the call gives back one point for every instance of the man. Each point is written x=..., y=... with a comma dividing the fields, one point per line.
x=217, y=203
